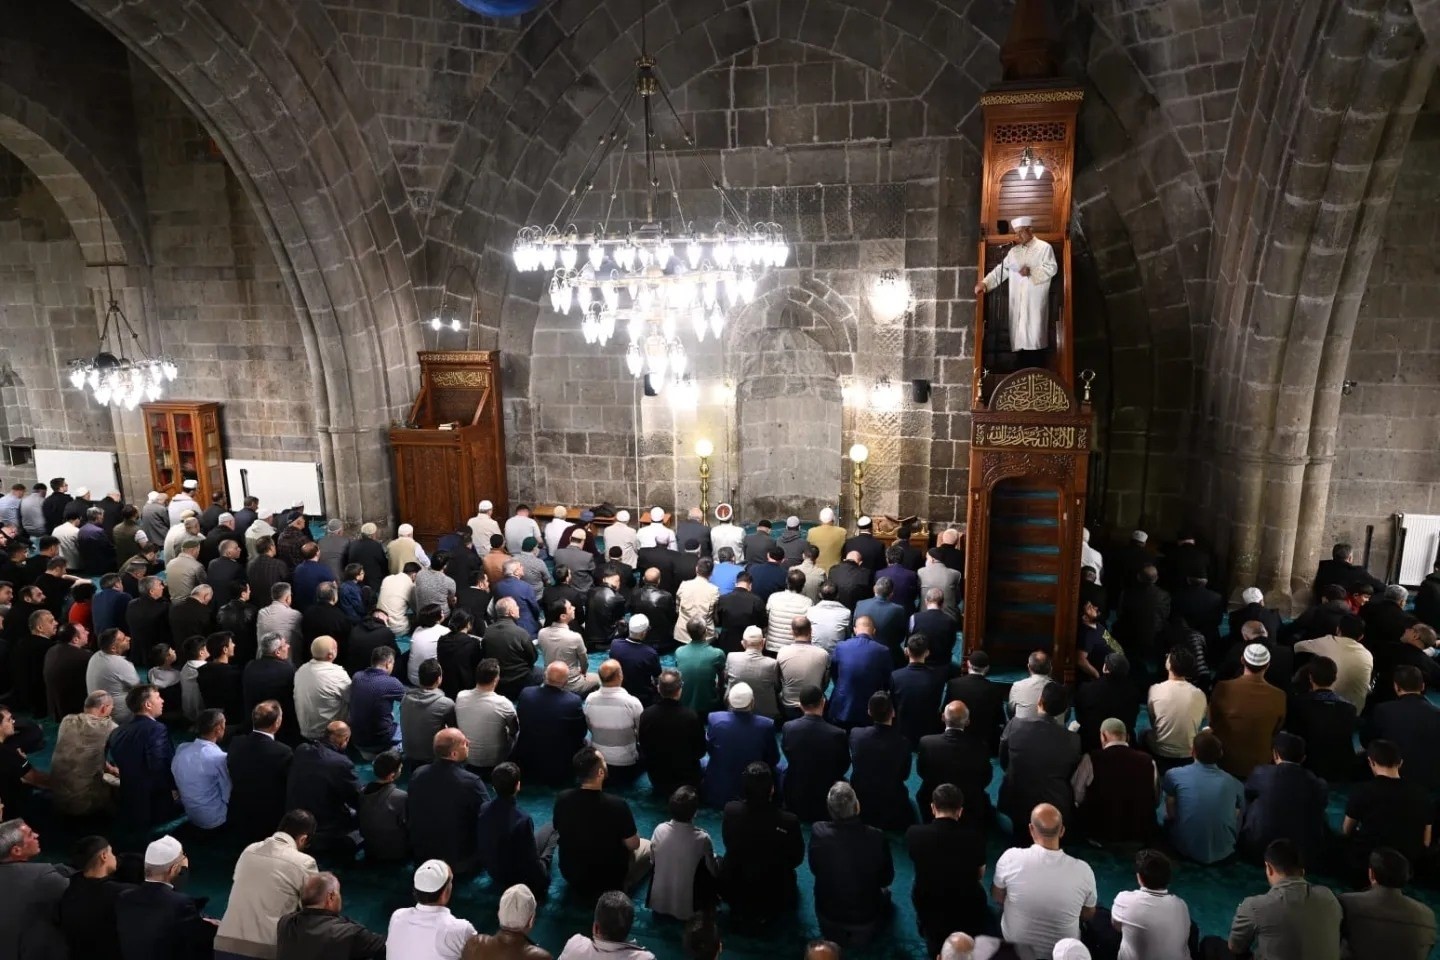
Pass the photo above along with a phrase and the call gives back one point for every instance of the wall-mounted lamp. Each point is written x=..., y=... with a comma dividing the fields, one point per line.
x=436, y=323
x=1030, y=165
x=703, y=449
x=1347, y=387
x=859, y=453
x=891, y=295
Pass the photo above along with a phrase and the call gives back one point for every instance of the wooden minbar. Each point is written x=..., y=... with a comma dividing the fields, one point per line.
x=451, y=453
x=1030, y=439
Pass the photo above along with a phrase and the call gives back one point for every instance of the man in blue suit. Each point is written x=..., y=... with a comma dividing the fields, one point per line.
x=905, y=583
x=889, y=619
x=512, y=585
x=768, y=577
x=860, y=666
x=142, y=751
x=552, y=729
x=737, y=738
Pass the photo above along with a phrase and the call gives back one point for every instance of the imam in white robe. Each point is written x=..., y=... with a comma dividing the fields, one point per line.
x=1029, y=296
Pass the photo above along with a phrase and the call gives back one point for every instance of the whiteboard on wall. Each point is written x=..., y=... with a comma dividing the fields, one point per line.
x=278, y=483
x=94, y=469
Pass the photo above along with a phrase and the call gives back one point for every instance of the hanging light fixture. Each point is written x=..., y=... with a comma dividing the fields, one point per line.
x=1030, y=165
x=667, y=275
x=114, y=379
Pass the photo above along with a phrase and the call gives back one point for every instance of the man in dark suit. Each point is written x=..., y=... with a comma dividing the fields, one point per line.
x=141, y=750
x=1385, y=618
x=1409, y=651
x=259, y=768
x=860, y=666
x=768, y=576
x=194, y=616
x=737, y=610
x=917, y=689
x=756, y=545
x=1202, y=608
x=656, y=603
x=154, y=920
x=365, y=637
x=507, y=641
x=957, y=757
x=272, y=677
x=1325, y=722
x=1341, y=571
x=904, y=584
x=659, y=557
x=685, y=561
x=1381, y=921
x=853, y=582
x=225, y=574
x=1254, y=609
x=671, y=738
x=985, y=702
x=604, y=609
x=763, y=846
x=851, y=863
x=1286, y=801
x=817, y=754
x=1427, y=598
x=324, y=618
x=1412, y=723
x=880, y=765
x=1282, y=657
x=693, y=527
x=443, y=806
x=872, y=551
x=949, y=858
x=889, y=619
x=1144, y=611
x=938, y=627
x=323, y=781
x=1112, y=695
x=147, y=618
x=552, y=729
x=1039, y=756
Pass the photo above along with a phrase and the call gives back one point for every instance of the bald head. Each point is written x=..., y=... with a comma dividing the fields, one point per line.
x=338, y=733
x=507, y=607
x=449, y=743
x=1046, y=826
x=957, y=715
x=957, y=946
x=822, y=950
x=323, y=648
x=652, y=575
x=610, y=674
x=854, y=556
x=557, y=674
x=950, y=537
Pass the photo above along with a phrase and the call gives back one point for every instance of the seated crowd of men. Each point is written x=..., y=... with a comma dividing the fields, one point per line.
x=813, y=672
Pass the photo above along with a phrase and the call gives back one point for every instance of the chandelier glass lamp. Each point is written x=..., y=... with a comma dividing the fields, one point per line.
x=1030, y=165
x=113, y=379
x=656, y=277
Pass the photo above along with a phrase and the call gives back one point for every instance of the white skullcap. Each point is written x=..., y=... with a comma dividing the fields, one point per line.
x=190, y=484
x=639, y=623
x=1070, y=949
x=404, y=530
x=827, y=515
x=368, y=530
x=486, y=506
x=1257, y=655
x=559, y=512
x=1139, y=536
x=431, y=876
x=517, y=908
x=740, y=697
x=1252, y=595
x=152, y=496
x=657, y=515
x=863, y=523
x=792, y=522
x=163, y=852
x=82, y=492
x=1019, y=222
x=224, y=516
x=623, y=516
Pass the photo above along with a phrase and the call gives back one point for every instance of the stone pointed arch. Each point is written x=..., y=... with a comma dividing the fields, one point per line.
x=327, y=193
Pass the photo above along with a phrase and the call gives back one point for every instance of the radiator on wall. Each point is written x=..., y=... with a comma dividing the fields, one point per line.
x=1421, y=541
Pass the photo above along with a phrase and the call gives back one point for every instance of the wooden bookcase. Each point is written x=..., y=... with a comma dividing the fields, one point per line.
x=182, y=440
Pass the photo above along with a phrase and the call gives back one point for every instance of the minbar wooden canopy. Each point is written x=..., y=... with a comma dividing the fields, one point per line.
x=442, y=474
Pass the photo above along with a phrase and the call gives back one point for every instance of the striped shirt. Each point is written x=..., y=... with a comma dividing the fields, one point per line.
x=614, y=719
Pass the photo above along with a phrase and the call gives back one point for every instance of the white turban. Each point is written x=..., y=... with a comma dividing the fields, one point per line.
x=827, y=515
x=1019, y=222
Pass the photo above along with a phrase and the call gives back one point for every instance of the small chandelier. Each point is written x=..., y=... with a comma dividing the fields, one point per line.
x=653, y=277
x=117, y=380
x=1030, y=165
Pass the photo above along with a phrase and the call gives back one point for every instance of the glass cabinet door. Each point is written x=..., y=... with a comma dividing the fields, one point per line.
x=162, y=450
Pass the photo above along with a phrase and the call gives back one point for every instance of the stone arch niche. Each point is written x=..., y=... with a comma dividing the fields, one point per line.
x=789, y=419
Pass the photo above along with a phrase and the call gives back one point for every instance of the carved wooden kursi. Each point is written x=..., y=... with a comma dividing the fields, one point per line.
x=441, y=475
x=1023, y=552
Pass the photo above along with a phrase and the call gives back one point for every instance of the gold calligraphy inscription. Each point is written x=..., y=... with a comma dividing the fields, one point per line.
x=1028, y=435
x=466, y=379
x=1033, y=393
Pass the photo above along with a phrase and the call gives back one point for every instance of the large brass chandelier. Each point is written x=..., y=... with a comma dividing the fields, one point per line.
x=655, y=277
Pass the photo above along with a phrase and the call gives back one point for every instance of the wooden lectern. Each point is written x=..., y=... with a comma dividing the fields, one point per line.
x=442, y=474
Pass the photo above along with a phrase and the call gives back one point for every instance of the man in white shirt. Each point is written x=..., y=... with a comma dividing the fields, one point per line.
x=1090, y=557
x=1025, y=694
x=655, y=533
x=555, y=529
x=396, y=592
x=1177, y=709
x=322, y=689
x=428, y=931
x=725, y=533
x=781, y=609
x=613, y=715
x=517, y=528
x=801, y=664
x=696, y=598
x=621, y=534
x=483, y=525
x=1154, y=924
x=487, y=719
x=829, y=619
x=1353, y=662
x=425, y=641
x=1043, y=893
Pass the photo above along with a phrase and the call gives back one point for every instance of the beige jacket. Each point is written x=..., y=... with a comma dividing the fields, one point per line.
x=695, y=598
x=268, y=878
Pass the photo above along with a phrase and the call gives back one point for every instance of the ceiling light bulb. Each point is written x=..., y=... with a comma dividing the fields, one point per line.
x=569, y=256
x=455, y=324
x=634, y=360
x=547, y=256
x=694, y=252
x=596, y=255
x=434, y=323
